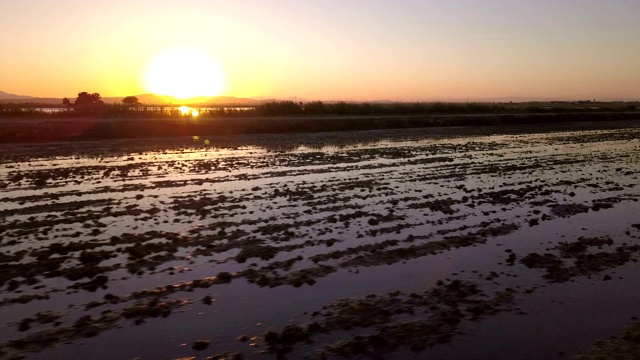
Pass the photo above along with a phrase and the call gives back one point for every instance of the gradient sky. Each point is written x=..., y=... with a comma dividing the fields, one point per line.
x=331, y=49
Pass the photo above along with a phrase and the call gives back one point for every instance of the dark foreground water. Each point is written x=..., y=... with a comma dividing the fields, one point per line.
x=443, y=243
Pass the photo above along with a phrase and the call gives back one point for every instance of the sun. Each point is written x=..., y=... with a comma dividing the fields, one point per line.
x=184, y=72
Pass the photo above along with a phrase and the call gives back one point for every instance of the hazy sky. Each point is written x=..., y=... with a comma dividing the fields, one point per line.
x=330, y=49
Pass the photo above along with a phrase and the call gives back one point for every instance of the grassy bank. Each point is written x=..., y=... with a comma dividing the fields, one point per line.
x=37, y=129
x=290, y=108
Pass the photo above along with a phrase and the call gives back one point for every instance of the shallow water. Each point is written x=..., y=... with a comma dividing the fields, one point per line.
x=317, y=222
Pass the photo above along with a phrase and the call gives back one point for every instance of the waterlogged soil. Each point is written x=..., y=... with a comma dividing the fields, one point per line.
x=449, y=243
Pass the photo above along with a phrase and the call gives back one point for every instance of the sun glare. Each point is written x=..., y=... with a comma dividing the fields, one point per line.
x=185, y=110
x=184, y=73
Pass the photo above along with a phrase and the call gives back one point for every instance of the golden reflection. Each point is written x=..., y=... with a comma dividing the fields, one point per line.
x=185, y=110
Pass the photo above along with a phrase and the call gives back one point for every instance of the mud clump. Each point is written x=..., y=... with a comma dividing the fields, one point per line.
x=86, y=326
x=577, y=259
x=151, y=308
x=416, y=320
x=201, y=344
x=565, y=210
x=226, y=356
x=43, y=317
x=576, y=248
x=281, y=342
x=444, y=206
x=224, y=277
x=624, y=346
x=98, y=282
x=260, y=252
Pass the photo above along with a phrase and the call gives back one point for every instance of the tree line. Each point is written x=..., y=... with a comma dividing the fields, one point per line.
x=92, y=104
x=85, y=99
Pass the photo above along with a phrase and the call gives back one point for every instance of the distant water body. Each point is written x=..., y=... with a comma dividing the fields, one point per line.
x=51, y=110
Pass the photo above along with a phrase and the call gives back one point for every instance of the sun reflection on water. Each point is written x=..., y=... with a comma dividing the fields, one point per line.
x=185, y=110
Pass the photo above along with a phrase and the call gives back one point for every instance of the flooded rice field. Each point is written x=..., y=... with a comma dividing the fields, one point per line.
x=405, y=244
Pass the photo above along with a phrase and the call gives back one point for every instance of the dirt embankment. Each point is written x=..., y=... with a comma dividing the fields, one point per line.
x=16, y=130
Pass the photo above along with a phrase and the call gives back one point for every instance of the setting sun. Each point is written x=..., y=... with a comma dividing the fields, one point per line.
x=184, y=73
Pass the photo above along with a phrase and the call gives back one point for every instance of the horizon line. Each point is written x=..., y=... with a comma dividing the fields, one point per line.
x=172, y=99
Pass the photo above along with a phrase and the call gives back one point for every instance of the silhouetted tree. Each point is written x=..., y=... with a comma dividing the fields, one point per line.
x=130, y=100
x=86, y=99
x=66, y=101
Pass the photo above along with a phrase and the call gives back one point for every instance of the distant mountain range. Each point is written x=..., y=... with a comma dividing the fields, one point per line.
x=4, y=95
x=147, y=99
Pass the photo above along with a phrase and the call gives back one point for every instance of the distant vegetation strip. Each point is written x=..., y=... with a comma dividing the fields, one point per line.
x=314, y=108
x=49, y=129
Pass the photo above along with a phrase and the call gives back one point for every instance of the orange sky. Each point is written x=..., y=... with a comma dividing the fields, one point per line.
x=330, y=50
